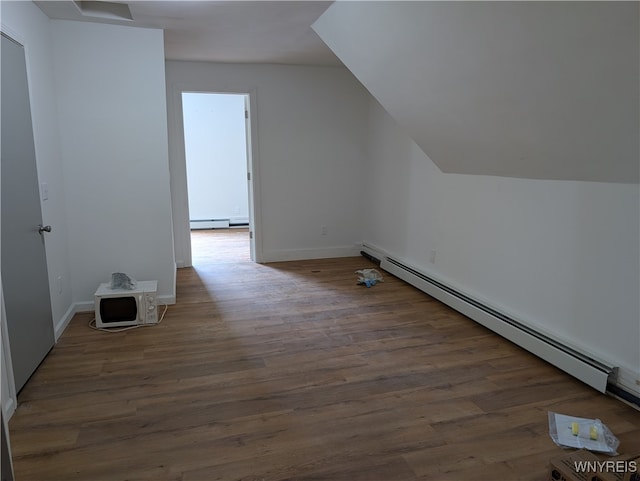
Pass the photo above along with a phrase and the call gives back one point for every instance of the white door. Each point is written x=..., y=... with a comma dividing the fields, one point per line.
x=25, y=281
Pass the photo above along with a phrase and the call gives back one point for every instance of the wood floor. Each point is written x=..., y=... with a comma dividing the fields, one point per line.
x=291, y=371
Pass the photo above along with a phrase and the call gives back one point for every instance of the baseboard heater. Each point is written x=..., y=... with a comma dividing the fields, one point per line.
x=209, y=224
x=588, y=370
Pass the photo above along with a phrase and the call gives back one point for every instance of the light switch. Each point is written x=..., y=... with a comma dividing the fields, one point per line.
x=44, y=187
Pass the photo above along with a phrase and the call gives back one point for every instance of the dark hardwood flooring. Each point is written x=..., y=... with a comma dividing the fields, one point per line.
x=291, y=371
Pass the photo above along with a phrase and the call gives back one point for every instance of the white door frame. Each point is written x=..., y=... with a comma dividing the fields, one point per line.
x=178, y=173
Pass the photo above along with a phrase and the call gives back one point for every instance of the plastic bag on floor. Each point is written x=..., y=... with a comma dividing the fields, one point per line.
x=582, y=433
x=369, y=277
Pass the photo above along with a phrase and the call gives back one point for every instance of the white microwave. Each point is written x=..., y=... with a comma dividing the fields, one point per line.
x=126, y=307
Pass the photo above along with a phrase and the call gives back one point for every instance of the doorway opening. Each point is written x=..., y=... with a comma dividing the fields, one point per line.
x=218, y=164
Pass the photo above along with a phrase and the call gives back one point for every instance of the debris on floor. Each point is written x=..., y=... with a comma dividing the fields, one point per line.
x=369, y=277
x=582, y=433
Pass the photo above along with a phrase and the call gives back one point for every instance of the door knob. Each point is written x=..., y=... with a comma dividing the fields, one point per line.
x=45, y=228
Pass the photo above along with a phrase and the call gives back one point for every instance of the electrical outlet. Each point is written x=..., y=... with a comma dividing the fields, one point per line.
x=324, y=230
x=59, y=284
x=432, y=257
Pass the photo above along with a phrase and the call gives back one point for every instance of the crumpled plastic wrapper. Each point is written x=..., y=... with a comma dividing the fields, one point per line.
x=369, y=277
x=119, y=280
x=582, y=433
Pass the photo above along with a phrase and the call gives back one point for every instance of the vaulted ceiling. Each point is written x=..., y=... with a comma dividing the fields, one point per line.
x=541, y=90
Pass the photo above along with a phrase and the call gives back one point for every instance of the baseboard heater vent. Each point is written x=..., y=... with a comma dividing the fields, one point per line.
x=373, y=259
x=209, y=224
x=579, y=365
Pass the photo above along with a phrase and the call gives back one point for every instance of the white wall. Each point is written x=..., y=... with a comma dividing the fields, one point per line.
x=110, y=93
x=309, y=127
x=216, y=153
x=562, y=256
x=27, y=24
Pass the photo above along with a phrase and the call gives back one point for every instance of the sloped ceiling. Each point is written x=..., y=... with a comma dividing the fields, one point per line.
x=541, y=90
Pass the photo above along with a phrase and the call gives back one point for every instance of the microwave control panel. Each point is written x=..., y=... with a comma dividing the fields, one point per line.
x=151, y=308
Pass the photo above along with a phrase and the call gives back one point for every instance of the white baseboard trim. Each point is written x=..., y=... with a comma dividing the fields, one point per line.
x=166, y=300
x=86, y=306
x=305, y=254
x=209, y=224
x=64, y=321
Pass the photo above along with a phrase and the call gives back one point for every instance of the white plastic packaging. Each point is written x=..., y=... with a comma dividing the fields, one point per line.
x=582, y=433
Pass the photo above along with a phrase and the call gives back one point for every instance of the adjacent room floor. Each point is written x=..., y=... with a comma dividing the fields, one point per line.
x=292, y=371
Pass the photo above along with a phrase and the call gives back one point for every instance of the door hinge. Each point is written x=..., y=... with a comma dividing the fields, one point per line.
x=248, y=175
x=246, y=114
x=250, y=234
